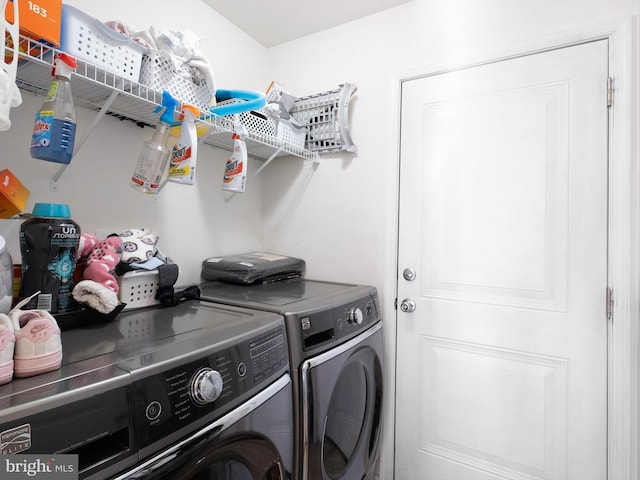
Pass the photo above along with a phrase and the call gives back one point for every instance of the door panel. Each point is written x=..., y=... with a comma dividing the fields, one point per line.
x=503, y=215
x=488, y=240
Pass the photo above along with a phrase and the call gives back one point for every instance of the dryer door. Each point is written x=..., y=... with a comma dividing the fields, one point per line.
x=342, y=402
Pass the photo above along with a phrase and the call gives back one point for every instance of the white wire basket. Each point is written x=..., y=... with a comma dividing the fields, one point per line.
x=86, y=38
x=326, y=118
x=255, y=122
x=186, y=84
x=285, y=132
x=138, y=288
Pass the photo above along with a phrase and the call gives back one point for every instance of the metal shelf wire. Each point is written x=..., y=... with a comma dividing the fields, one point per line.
x=109, y=93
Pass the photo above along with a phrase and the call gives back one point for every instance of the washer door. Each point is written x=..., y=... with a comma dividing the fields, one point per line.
x=237, y=457
x=342, y=402
x=252, y=442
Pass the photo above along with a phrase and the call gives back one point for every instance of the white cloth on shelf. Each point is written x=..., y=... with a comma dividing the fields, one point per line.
x=182, y=46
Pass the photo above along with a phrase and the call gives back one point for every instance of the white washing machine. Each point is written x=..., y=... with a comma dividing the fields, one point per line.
x=336, y=357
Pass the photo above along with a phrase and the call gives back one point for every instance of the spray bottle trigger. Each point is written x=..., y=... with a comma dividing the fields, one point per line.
x=169, y=105
x=193, y=110
x=63, y=64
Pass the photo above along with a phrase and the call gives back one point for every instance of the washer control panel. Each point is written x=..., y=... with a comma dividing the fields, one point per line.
x=209, y=386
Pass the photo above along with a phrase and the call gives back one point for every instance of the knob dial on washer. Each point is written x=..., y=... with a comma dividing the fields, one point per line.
x=206, y=386
x=355, y=315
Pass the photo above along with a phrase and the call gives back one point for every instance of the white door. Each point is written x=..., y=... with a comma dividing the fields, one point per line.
x=502, y=366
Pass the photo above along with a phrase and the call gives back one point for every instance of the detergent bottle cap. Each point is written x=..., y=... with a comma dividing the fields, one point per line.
x=53, y=210
x=169, y=104
x=63, y=65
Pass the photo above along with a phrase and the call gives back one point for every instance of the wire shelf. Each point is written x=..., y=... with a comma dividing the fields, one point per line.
x=94, y=88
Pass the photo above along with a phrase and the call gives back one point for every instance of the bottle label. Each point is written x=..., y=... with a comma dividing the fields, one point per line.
x=42, y=129
x=53, y=89
x=48, y=249
x=232, y=169
x=180, y=153
x=179, y=166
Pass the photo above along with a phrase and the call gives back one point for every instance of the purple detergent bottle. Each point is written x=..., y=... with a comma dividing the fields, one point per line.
x=54, y=130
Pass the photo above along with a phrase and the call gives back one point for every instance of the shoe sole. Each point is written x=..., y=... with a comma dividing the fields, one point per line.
x=28, y=367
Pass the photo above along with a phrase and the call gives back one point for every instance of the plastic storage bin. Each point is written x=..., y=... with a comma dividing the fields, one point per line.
x=286, y=132
x=183, y=82
x=255, y=123
x=88, y=39
x=138, y=288
x=326, y=118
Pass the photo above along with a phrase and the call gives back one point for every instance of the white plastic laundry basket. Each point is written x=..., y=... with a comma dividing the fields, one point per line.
x=138, y=288
x=88, y=39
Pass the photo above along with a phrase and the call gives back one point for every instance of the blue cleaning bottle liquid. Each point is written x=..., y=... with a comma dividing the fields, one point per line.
x=54, y=131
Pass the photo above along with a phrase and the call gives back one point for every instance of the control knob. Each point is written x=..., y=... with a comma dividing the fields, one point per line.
x=355, y=315
x=206, y=386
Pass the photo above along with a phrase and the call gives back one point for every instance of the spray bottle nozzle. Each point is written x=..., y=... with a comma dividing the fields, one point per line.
x=63, y=65
x=169, y=104
x=192, y=111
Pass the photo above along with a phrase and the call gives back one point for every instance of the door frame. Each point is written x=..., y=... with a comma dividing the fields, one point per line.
x=623, y=242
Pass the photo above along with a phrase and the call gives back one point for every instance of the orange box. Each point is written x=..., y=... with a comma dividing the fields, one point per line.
x=13, y=194
x=39, y=20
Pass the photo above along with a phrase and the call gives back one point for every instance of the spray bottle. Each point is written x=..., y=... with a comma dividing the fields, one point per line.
x=54, y=131
x=184, y=154
x=235, y=170
x=152, y=162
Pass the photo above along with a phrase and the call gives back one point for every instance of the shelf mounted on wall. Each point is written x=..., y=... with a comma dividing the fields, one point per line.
x=97, y=89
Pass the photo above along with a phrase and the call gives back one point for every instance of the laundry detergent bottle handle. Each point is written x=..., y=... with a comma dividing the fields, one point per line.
x=154, y=156
x=54, y=130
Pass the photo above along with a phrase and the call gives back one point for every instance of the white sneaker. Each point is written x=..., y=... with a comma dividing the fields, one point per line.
x=7, y=344
x=38, y=347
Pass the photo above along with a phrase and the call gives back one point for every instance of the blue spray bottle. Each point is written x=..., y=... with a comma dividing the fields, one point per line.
x=153, y=159
x=54, y=130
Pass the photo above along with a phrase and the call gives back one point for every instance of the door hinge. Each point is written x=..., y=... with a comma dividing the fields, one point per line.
x=609, y=303
x=609, y=91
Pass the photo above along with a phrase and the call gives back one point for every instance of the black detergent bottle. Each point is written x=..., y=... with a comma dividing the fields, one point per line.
x=48, y=244
x=54, y=130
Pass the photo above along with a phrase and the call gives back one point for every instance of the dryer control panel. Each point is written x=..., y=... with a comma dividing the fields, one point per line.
x=337, y=324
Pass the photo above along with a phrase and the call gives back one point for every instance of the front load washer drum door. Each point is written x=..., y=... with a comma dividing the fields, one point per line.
x=342, y=403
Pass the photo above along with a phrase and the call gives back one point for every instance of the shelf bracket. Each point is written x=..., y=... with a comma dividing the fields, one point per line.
x=267, y=162
x=53, y=185
x=255, y=174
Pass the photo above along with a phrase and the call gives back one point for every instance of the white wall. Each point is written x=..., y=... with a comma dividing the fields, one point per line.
x=193, y=221
x=341, y=216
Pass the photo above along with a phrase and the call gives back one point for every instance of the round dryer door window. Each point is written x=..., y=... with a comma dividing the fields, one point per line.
x=343, y=393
